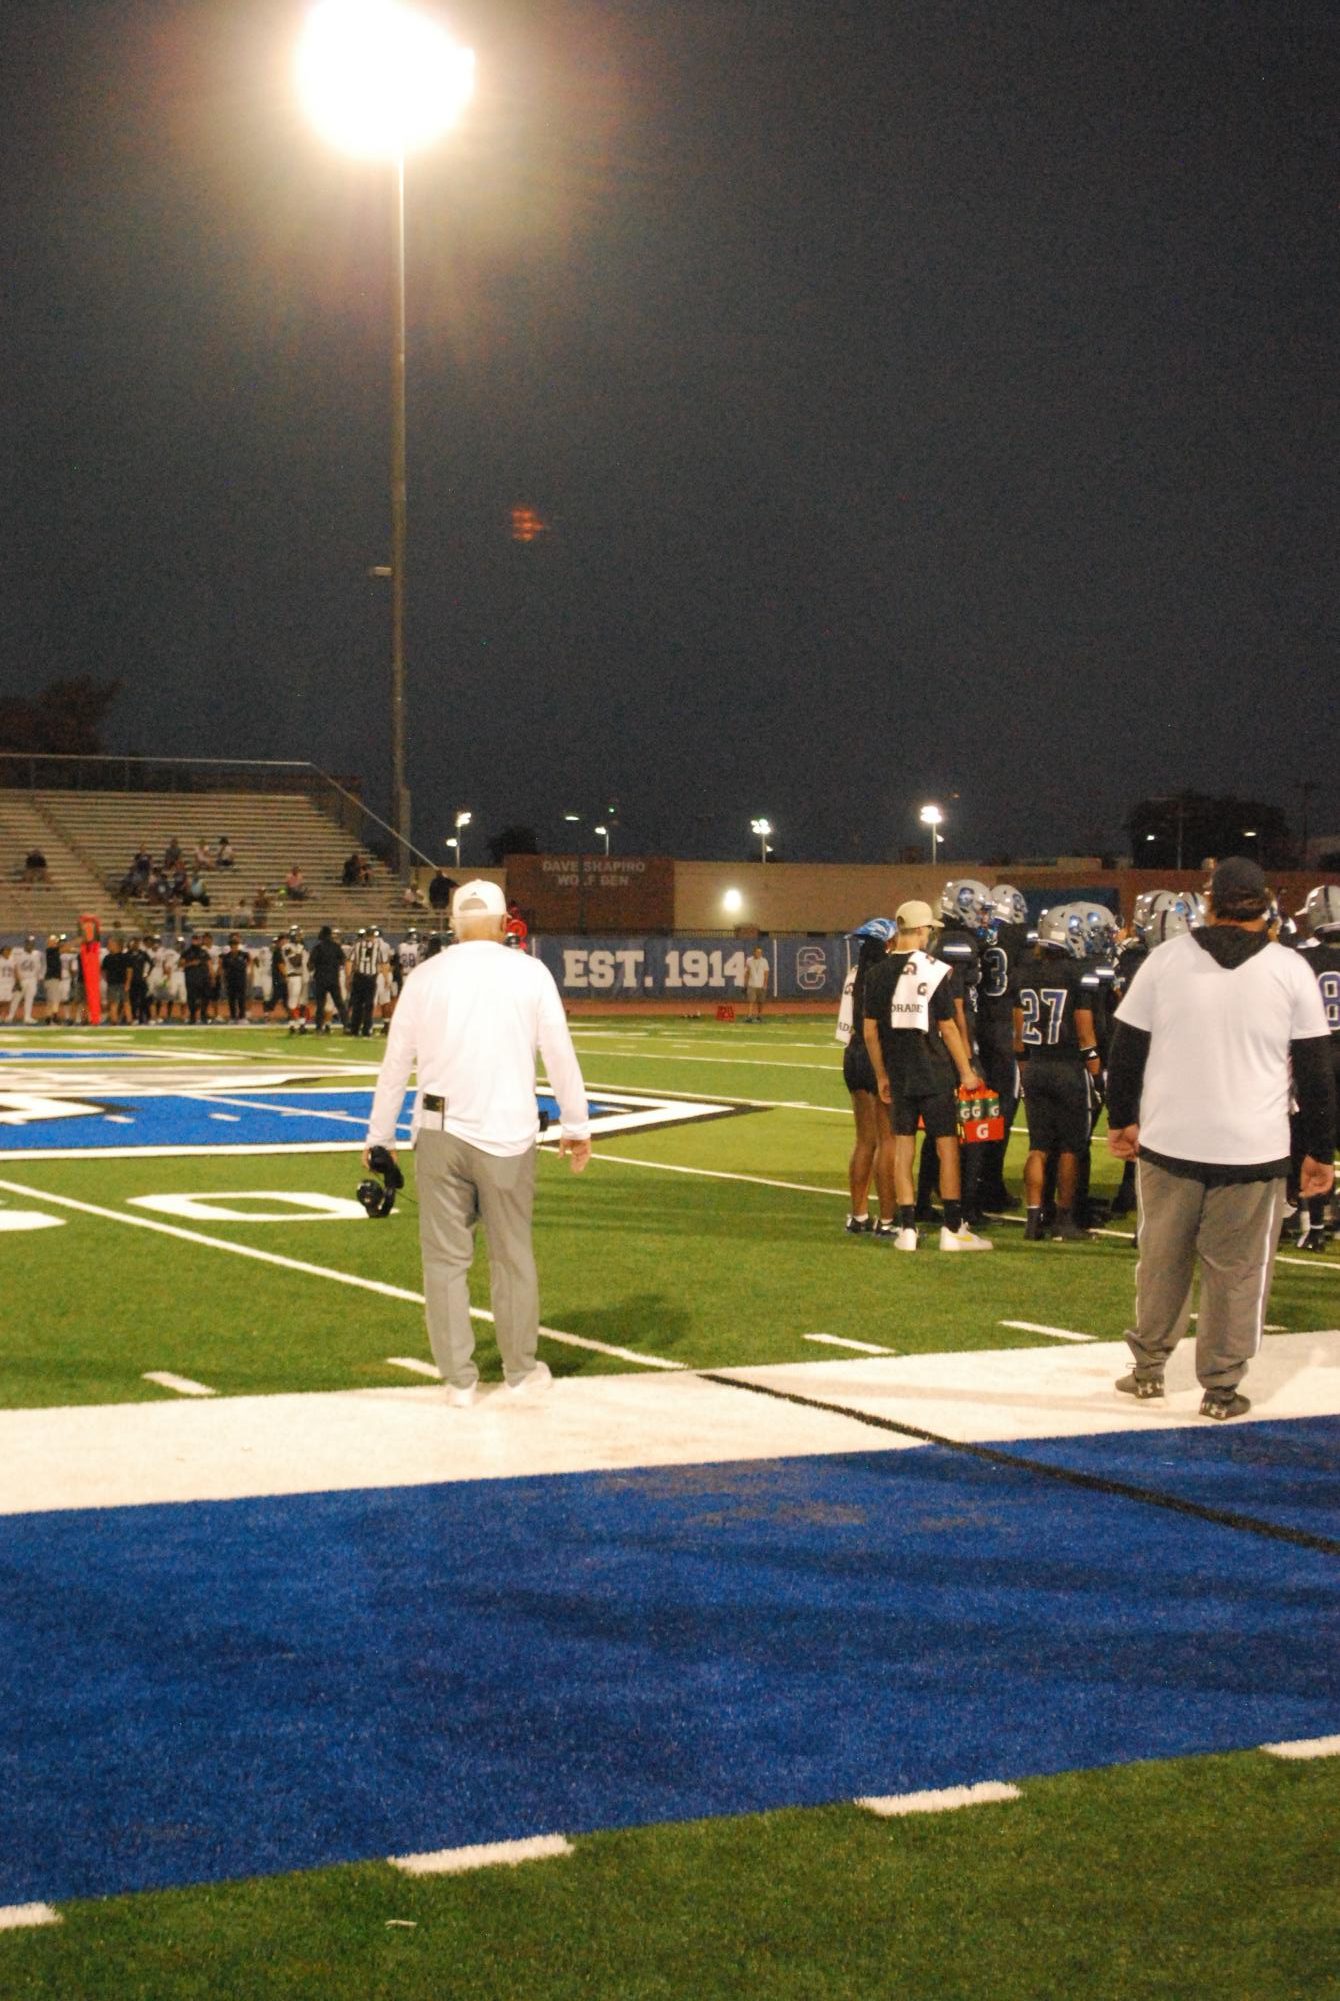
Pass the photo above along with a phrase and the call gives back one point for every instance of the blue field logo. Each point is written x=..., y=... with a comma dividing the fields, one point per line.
x=96, y=1106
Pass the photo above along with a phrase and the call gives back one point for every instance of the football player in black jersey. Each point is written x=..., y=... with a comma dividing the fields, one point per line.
x=1006, y=944
x=1321, y=953
x=965, y=923
x=1054, y=996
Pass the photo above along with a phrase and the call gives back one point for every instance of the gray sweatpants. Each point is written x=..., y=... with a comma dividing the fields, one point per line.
x=1233, y=1231
x=459, y=1186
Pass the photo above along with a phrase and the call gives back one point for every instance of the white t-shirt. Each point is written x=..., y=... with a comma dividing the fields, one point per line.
x=1216, y=1084
x=756, y=972
x=468, y=1023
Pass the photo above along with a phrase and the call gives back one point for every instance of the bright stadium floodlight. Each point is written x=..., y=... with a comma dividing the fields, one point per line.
x=762, y=828
x=932, y=817
x=462, y=819
x=732, y=902
x=606, y=833
x=380, y=80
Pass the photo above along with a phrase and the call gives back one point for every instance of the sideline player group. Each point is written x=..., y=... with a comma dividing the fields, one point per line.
x=940, y=1006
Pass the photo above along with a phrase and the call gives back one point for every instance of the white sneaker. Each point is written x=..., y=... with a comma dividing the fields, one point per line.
x=462, y=1399
x=535, y=1384
x=906, y=1240
x=963, y=1240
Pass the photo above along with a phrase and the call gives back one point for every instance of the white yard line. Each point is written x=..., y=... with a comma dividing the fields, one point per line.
x=488, y=1855
x=414, y=1366
x=840, y=1341
x=987, y=1792
x=14, y=1917
x=1305, y=1747
x=320, y=1271
x=183, y=1385
x=709, y=1173
x=1035, y=1327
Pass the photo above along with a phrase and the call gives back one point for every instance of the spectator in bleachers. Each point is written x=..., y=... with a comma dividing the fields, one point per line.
x=196, y=891
x=412, y=896
x=179, y=884
x=171, y=854
x=295, y=888
x=441, y=890
x=225, y=858
x=35, y=867
x=260, y=903
x=203, y=857
x=356, y=873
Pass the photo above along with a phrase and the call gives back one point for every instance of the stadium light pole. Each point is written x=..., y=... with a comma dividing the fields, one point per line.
x=932, y=817
x=606, y=832
x=381, y=80
x=762, y=828
x=462, y=819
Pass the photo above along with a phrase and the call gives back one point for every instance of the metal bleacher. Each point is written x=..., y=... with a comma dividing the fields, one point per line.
x=89, y=836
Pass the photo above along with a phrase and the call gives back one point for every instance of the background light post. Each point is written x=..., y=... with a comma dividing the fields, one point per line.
x=462, y=820
x=762, y=828
x=381, y=80
x=932, y=817
x=606, y=833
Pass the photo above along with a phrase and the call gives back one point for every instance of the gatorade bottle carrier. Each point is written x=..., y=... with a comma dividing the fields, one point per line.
x=979, y=1116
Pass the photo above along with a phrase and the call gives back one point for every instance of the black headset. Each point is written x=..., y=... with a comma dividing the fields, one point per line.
x=378, y=1197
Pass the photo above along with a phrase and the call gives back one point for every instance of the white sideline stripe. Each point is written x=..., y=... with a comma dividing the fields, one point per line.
x=840, y=1341
x=260, y=1105
x=183, y=1385
x=1036, y=1327
x=709, y=1173
x=1306, y=1747
x=985, y=1793
x=418, y=1368
x=321, y=1271
x=488, y=1855
x=14, y=1916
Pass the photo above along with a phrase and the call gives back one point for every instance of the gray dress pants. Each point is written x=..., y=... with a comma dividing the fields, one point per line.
x=1233, y=1231
x=459, y=1186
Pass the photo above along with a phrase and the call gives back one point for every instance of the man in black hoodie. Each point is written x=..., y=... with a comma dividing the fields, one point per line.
x=1215, y=1026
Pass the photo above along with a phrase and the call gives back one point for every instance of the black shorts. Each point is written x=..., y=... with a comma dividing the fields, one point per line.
x=935, y=1109
x=1056, y=1101
x=858, y=1073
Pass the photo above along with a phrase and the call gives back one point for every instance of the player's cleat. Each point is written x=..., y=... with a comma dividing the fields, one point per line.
x=1065, y=1230
x=1312, y=1237
x=1033, y=1230
x=906, y=1240
x=884, y=1233
x=1144, y=1387
x=1224, y=1403
x=859, y=1226
x=963, y=1240
x=462, y=1399
x=533, y=1385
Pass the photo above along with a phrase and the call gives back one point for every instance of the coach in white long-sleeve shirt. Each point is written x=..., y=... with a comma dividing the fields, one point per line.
x=468, y=1023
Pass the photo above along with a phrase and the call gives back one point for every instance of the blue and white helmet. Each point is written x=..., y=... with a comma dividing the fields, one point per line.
x=1101, y=930
x=1063, y=930
x=1175, y=916
x=1322, y=908
x=967, y=902
x=882, y=928
x=1151, y=902
x=1008, y=905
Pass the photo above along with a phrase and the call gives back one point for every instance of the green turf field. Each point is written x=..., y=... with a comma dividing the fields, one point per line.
x=710, y=1244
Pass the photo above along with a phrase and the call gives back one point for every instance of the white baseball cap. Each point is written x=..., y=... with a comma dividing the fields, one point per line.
x=478, y=899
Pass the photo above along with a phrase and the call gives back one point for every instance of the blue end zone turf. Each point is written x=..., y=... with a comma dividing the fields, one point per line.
x=223, y=1689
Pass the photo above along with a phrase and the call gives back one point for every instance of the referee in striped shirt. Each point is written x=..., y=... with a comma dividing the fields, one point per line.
x=363, y=981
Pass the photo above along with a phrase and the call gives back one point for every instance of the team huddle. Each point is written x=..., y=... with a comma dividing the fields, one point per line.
x=948, y=1012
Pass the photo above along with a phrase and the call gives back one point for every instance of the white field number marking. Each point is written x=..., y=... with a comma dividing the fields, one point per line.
x=221, y=1208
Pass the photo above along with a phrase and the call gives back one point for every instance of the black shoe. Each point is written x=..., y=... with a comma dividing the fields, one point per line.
x=1033, y=1230
x=929, y=1215
x=885, y=1233
x=1144, y=1387
x=1223, y=1403
x=859, y=1226
x=1065, y=1230
x=1313, y=1240
x=1122, y=1205
x=1000, y=1202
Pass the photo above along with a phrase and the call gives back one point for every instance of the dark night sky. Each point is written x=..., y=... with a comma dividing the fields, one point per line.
x=924, y=398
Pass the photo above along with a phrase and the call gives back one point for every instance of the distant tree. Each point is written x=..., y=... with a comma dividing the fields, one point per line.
x=1194, y=825
x=65, y=720
x=513, y=841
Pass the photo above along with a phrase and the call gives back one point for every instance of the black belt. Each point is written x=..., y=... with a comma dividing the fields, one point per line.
x=432, y=1103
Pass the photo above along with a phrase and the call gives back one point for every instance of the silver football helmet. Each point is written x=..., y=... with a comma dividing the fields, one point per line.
x=1063, y=930
x=1322, y=908
x=1175, y=917
x=1100, y=928
x=1008, y=905
x=967, y=902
